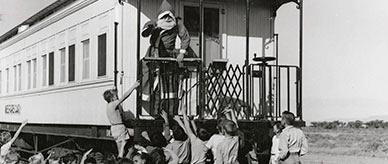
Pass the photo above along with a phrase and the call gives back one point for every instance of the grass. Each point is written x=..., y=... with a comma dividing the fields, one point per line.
x=348, y=142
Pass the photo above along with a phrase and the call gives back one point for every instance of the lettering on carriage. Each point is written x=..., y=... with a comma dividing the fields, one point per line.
x=12, y=109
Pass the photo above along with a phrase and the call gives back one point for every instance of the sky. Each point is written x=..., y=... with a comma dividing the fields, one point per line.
x=345, y=53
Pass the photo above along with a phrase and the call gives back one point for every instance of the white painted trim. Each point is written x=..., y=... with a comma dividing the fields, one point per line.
x=63, y=88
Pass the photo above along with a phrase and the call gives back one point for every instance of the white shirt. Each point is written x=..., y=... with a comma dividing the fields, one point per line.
x=292, y=140
x=213, y=142
x=275, y=149
x=275, y=145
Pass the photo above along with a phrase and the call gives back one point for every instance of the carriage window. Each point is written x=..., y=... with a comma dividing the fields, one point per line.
x=102, y=55
x=14, y=78
x=34, y=73
x=19, y=77
x=62, y=64
x=7, y=72
x=44, y=70
x=29, y=74
x=71, y=62
x=85, y=59
x=51, y=68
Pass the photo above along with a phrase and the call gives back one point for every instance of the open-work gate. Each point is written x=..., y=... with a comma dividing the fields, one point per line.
x=262, y=93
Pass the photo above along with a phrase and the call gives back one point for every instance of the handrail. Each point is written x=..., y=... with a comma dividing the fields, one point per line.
x=169, y=59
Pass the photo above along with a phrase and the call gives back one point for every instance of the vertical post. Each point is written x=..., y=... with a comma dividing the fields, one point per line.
x=201, y=15
x=276, y=36
x=138, y=99
x=247, y=9
x=299, y=112
x=202, y=65
x=115, y=56
x=270, y=100
x=288, y=89
x=35, y=138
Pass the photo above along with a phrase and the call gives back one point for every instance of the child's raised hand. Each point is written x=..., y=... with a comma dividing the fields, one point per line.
x=227, y=110
x=177, y=118
x=24, y=122
x=88, y=152
x=164, y=115
x=140, y=149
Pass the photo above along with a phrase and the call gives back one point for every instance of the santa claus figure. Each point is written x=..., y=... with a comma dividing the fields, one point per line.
x=164, y=33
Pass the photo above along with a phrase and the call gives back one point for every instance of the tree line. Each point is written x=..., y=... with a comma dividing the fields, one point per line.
x=351, y=124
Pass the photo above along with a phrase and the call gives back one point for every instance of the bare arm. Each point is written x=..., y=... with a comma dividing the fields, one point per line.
x=129, y=92
x=18, y=132
x=194, y=126
x=234, y=117
x=85, y=156
x=166, y=126
x=187, y=125
x=230, y=115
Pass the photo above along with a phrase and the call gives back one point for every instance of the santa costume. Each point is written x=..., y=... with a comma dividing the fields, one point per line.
x=163, y=33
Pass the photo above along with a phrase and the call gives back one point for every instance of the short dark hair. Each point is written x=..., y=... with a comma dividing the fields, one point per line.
x=68, y=158
x=278, y=125
x=288, y=117
x=203, y=134
x=108, y=94
x=230, y=127
x=157, y=139
x=178, y=133
x=220, y=124
x=157, y=156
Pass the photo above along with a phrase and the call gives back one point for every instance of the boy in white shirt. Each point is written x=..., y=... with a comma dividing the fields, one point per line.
x=118, y=130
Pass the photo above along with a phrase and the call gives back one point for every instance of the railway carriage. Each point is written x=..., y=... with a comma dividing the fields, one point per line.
x=55, y=66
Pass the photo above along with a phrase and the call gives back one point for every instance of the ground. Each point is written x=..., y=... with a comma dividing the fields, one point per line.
x=345, y=145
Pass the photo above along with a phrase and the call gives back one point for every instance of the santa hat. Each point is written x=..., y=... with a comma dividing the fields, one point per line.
x=164, y=9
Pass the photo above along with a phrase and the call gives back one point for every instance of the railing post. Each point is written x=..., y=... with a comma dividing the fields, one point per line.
x=247, y=10
x=139, y=64
x=202, y=64
x=299, y=110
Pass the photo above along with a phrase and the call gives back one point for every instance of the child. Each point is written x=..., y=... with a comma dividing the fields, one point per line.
x=227, y=150
x=118, y=130
x=36, y=159
x=216, y=139
x=7, y=142
x=198, y=142
x=181, y=144
x=157, y=141
x=141, y=158
x=277, y=129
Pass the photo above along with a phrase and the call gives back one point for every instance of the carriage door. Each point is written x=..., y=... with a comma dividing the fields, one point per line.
x=211, y=40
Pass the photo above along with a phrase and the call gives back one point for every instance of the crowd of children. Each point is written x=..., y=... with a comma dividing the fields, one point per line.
x=182, y=141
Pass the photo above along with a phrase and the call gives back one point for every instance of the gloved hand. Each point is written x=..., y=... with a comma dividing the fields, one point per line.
x=180, y=57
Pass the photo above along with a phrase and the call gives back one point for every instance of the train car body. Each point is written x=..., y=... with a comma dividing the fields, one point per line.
x=56, y=70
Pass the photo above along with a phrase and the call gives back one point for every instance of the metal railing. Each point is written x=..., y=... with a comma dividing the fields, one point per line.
x=273, y=89
x=169, y=85
x=270, y=89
